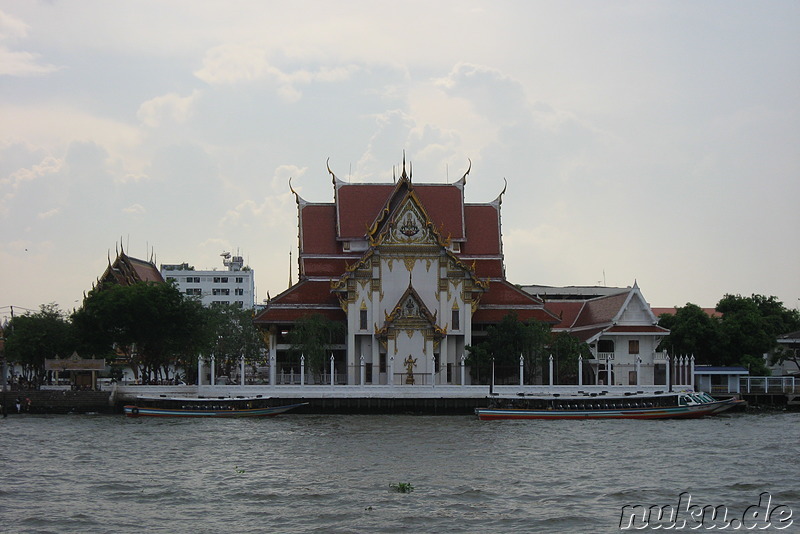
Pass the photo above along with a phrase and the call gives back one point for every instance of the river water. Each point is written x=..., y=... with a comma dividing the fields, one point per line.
x=305, y=473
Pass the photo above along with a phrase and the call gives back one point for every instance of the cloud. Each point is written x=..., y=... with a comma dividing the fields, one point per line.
x=171, y=106
x=236, y=63
x=16, y=63
x=25, y=176
x=50, y=213
x=134, y=209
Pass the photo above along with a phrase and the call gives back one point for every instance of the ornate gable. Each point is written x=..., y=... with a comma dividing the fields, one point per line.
x=410, y=313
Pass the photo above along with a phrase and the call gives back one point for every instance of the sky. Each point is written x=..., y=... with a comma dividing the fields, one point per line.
x=650, y=142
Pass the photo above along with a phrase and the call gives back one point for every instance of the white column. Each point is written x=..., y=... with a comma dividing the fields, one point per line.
x=363, y=371
x=390, y=374
x=521, y=370
x=241, y=369
x=580, y=370
x=638, y=370
x=213, y=369
x=551, y=369
x=691, y=372
x=666, y=359
x=200, y=370
x=433, y=370
x=332, y=380
x=302, y=370
x=610, y=365
x=463, y=375
x=272, y=371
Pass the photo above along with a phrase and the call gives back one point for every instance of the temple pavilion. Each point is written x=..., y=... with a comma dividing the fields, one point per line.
x=413, y=273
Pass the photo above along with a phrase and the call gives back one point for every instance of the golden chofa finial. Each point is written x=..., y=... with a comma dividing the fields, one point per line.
x=296, y=196
x=468, y=169
x=333, y=176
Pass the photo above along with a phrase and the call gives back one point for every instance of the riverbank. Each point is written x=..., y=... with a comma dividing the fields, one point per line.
x=321, y=400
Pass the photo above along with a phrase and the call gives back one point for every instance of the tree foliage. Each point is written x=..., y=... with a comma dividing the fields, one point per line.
x=312, y=337
x=149, y=324
x=229, y=334
x=34, y=337
x=534, y=342
x=747, y=329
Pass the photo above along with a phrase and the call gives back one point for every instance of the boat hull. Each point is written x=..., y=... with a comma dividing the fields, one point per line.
x=149, y=411
x=555, y=410
x=678, y=412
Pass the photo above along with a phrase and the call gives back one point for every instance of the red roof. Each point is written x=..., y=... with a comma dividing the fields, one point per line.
x=504, y=298
x=567, y=311
x=318, y=229
x=483, y=230
x=304, y=298
x=358, y=205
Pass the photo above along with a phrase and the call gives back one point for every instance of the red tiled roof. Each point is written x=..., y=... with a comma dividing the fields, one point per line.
x=504, y=298
x=318, y=229
x=486, y=268
x=483, y=230
x=358, y=205
x=332, y=267
x=145, y=270
x=445, y=207
x=304, y=298
x=601, y=310
x=568, y=311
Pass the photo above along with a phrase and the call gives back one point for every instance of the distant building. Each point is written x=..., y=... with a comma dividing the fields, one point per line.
x=235, y=285
x=621, y=330
x=126, y=271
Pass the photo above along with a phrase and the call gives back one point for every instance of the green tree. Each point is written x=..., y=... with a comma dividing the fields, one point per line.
x=505, y=342
x=229, y=333
x=312, y=336
x=692, y=332
x=34, y=337
x=747, y=329
x=566, y=349
x=148, y=324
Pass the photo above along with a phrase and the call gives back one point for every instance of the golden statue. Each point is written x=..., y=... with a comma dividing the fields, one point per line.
x=410, y=363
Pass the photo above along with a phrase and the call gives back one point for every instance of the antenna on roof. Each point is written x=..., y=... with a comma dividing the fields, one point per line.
x=290, y=267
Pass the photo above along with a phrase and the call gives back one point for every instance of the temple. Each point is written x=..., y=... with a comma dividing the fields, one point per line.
x=126, y=270
x=412, y=271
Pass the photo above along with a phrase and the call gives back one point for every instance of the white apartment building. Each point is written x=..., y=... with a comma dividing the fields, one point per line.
x=235, y=285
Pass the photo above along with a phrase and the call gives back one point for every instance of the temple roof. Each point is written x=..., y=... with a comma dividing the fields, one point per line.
x=307, y=297
x=126, y=270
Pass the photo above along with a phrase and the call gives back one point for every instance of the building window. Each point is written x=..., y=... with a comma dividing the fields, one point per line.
x=633, y=346
x=220, y=279
x=170, y=279
x=220, y=291
x=238, y=291
x=363, y=320
x=239, y=280
x=605, y=345
x=382, y=363
x=192, y=279
x=456, y=320
x=196, y=291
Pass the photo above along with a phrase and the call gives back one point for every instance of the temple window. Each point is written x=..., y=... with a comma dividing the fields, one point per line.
x=363, y=319
x=633, y=346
